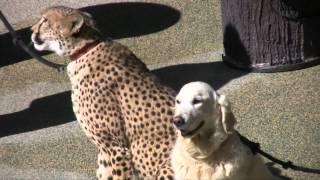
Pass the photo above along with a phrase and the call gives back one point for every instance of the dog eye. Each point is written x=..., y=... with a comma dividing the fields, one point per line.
x=177, y=101
x=196, y=101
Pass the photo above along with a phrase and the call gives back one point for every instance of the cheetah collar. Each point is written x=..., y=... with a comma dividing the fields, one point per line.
x=87, y=47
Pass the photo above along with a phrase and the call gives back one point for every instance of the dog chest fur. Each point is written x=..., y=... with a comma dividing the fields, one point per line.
x=222, y=164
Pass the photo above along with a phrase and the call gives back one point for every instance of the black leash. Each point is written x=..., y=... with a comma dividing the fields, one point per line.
x=255, y=148
x=18, y=41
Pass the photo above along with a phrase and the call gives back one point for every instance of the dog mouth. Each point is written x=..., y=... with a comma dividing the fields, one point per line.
x=192, y=132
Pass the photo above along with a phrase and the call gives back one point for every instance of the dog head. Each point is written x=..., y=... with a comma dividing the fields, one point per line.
x=199, y=108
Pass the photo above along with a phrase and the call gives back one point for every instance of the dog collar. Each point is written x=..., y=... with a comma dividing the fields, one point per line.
x=87, y=47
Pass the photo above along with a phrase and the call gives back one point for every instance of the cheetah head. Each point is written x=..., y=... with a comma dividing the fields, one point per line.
x=63, y=30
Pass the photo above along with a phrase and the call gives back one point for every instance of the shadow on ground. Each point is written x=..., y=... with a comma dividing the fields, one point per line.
x=57, y=109
x=121, y=20
x=115, y=20
x=216, y=74
x=44, y=112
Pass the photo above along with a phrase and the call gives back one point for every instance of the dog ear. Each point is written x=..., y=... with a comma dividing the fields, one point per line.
x=227, y=117
x=72, y=24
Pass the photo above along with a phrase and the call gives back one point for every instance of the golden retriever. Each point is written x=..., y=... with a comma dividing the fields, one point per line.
x=208, y=147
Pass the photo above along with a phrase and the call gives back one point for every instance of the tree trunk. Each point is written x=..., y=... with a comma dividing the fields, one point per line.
x=271, y=35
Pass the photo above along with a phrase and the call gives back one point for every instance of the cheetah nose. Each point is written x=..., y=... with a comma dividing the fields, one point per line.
x=178, y=121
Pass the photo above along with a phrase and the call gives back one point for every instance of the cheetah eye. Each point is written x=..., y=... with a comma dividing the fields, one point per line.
x=177, y=101
x=45, y=20
x=196, y=101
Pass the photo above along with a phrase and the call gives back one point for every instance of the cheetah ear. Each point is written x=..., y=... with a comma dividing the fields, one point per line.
x=73, y=25
x=86, y=14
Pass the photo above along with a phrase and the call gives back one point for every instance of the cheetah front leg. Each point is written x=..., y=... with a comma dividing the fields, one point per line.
x=104, y=169
x=165, y=172
x=115, y=163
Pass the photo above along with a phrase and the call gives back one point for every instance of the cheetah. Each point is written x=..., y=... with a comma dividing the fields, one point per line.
x=122, y=108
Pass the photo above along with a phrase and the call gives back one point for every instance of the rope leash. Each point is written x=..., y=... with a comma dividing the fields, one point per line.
x=255, y=148
x=17, y=41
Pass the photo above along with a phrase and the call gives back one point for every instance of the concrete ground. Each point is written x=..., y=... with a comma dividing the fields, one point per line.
x=182, y=42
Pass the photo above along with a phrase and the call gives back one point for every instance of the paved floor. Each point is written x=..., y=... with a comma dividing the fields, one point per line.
x=182, y=42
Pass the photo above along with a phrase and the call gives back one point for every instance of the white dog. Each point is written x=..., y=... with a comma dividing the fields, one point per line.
x=207, y=146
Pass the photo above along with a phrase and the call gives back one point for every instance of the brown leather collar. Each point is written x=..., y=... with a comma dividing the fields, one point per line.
x=87, y=47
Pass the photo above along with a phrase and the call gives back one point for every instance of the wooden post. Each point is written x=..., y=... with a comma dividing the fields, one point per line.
x=271, y=35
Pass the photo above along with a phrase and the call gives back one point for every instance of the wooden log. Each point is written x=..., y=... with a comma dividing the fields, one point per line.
x=271, y=35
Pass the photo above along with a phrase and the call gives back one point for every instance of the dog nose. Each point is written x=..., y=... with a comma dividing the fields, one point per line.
x=178, y=121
